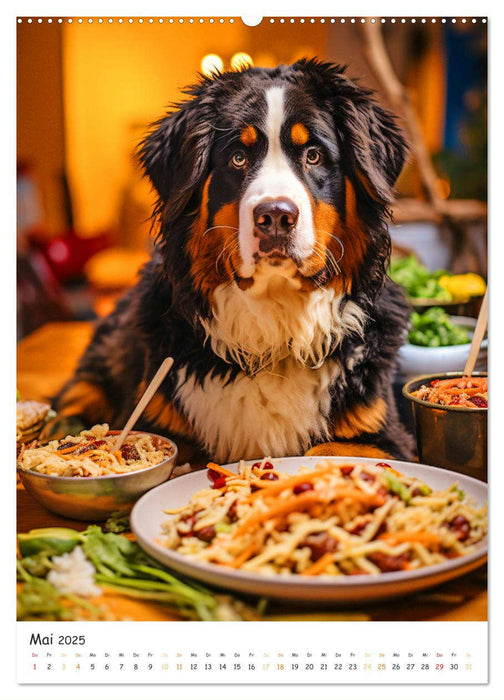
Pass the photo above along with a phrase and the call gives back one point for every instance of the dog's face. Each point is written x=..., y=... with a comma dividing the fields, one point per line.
x=276, y=172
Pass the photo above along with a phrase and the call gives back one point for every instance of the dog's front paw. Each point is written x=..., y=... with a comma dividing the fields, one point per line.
x=346, y=449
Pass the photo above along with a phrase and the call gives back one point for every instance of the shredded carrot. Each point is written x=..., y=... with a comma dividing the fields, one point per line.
x=319, y=565
x=459, y=382
x=422, y=536
x=242, y=558
x=67, y=450
x=90, y=452
x=269, y=488
x=294, y=503
x=303, y=502
x=217, y=468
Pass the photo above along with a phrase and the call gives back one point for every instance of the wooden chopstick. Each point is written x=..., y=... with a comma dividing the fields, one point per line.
x=479, y=332
x=144, y=400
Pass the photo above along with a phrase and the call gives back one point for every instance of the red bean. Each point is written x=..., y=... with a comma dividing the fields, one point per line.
x=266, y=465
x=64, y=445
x=91, y=446
x=387, y=562
x=461, y=526
x=384, y=465
x=479, y=401
x=190, y=519
x=320, y=543
x=357, y=529
x=346, y=471
x=269, y=477
x=219, y=483
x=417, y=491
x=129, y=452
x=232, y=514
x=213, y=475
x=302, y=487
x=206, y=533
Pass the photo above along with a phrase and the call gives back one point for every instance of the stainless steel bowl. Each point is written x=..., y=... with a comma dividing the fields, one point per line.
x=94, y=498
x=449, y=436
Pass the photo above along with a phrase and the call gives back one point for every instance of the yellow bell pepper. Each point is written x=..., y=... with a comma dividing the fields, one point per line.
x=462, y=287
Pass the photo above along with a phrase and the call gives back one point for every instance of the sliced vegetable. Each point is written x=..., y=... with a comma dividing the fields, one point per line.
x=435, y=329
x=51, y=540
x=397, y=487
x=417, y=280
x=461, y=494
x=462, y=287
x=117, y=522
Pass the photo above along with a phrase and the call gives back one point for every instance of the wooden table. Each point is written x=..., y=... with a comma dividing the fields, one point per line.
x=47, y=358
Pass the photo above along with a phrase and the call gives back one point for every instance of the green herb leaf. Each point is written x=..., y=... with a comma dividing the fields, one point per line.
x=51, y=540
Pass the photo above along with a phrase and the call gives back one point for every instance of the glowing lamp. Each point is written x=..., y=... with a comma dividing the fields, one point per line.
x=211, y=63
x=241, y=60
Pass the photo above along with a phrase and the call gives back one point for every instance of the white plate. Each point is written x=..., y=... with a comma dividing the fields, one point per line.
x=147, y=516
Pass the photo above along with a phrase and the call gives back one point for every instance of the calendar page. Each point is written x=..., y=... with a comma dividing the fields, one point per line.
x=252, y=388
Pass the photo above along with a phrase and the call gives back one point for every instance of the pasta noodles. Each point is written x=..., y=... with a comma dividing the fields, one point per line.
x=471, y=392
x=91, y=454
x=333, y=520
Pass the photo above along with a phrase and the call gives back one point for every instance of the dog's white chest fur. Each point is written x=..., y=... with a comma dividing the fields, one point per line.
x=274, y=413
x=283, y=339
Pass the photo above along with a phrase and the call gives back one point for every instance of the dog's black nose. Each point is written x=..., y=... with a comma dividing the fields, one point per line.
x=276, y=217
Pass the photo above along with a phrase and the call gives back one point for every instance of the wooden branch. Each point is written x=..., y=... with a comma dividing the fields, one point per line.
x=400, y=100
x=463, y=210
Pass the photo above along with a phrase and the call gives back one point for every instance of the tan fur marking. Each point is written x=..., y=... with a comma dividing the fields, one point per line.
x=210, y=266
x=347, y=449
x=162, y=413
x=361, y=419
x=87, y=400
x=299, y=134
x=364, y=180
x=248, y=135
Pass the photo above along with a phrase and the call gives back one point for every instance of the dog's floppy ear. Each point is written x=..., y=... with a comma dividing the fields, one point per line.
x=175, y=155
x=379, y=149
x=373, y=144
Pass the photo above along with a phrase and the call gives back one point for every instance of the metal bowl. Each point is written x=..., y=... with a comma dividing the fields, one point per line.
x=454, y=437
x=94, y=498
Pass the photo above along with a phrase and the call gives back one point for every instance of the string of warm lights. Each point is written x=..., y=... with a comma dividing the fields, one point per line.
x=213, y=63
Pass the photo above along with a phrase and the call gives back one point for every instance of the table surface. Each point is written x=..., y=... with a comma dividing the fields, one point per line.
x=47, y=358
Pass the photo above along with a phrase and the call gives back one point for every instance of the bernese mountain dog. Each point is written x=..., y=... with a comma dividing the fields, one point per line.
x=268, y=281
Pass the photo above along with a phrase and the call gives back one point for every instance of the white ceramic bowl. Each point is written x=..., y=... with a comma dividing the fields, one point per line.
x=415, y=360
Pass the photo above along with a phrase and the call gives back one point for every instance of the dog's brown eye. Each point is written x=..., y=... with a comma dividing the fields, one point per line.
x=312, y=156
x=239, y=160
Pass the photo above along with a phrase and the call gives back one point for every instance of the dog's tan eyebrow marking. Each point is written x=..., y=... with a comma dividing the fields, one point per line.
x=248, y=135
x=299, y=134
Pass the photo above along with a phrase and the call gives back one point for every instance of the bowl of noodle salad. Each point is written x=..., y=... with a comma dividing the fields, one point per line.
x=307, y=528
x=83, y=477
